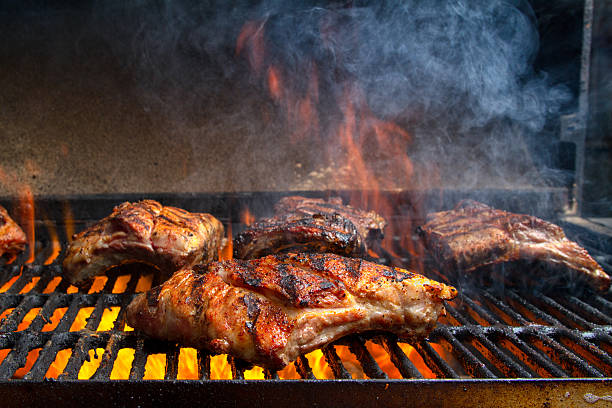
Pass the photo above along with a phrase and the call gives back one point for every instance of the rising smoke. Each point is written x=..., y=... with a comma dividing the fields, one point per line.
x=458, y=75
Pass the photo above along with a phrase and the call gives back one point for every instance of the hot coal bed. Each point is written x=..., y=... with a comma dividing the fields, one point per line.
x=508, y=344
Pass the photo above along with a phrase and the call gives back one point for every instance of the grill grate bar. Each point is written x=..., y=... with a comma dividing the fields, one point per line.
x=80, y=352
x=16, y=357
x=203, y=364
x=508, y=366
x=108, y=358
x=26, y=276
x=140, y=359
x=533, y=309
x=501, y=305
x=53, y=302
x=602, y=303
x=45, y=277
x=540, y=359
x=507, y=333
x=368, y=363
x=593, y=313
x=471, y=363
x=398, y=358
x=172, y=359
x=591, y=348
x=303, y=368
x=480, y=310
x=270, y=374
x=237, y=368
x=44, y=361
x=433, y=360
x=334, y=362
x=11, y=322
x=565, y=357
x=564, y=311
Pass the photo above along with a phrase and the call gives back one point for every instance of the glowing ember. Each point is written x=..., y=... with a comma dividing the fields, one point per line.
x=59, y=364
x=123, y=364
x=188, y=364
x=220, y=368
x=155, y=367
x=91, y=364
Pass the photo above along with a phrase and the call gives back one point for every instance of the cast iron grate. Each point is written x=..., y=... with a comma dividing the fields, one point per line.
x=493, y=333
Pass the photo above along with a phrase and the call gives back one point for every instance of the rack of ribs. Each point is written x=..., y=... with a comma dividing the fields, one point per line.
x=167, y=238
x=12, y=237
x=474, y=235
x=271, y=310
x=303, y=224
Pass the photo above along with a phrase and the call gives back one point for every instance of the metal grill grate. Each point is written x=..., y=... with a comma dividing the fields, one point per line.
x=489, y=333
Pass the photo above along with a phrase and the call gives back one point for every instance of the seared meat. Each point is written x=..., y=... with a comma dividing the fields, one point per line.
x=166, y=237
x=12, y=237
x=474, y=235
x=309, y=224
x=270, y=310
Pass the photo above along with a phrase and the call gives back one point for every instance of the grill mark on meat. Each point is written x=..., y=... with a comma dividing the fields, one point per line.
x=289, y=283
x=253, y=310
x=302, y=224
x=213, y=311
x=354, y=270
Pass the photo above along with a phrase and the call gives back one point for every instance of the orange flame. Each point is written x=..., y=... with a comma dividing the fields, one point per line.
x=68, y=221
x=246, y=217
x=227, y=252
x=56, y=247
x=274, y=83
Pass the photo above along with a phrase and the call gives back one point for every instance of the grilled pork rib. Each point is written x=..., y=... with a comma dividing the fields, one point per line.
x=305, y=224
x=270, y=310
x=12, y=237
x=166, y=237
x=474, y=235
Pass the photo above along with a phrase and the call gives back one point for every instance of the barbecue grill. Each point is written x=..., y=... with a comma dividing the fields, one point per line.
x=103, y=103
x=493, y=345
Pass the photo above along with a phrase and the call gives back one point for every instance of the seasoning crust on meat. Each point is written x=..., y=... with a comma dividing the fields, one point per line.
x=271, y=310
x=473, y=235
x=168, y=238
x=303, y=224
x=12, y=237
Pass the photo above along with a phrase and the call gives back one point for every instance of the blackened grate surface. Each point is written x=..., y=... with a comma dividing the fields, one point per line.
x=48, y=329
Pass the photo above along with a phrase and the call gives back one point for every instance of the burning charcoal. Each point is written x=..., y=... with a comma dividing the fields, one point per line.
x=166, y=237
x=474, y=236
x=308, y=224
x=271, y=310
